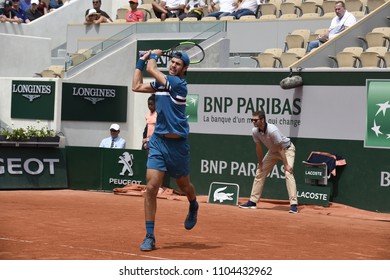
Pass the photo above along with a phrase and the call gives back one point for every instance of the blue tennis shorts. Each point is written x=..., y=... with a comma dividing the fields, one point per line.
x=169, y=154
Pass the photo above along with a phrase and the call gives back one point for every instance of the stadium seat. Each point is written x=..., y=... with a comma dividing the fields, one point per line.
x=121, y=13
x=327, y=9
x=371, y=57
x=347, y=58
x=289, y=57
x=190, y=19
x=268, y=17
x=376, y=38
x=147, y=13
x=208, y=19
x=373, y=4
x=317, y=32
x=172, y=19
x=266, y=59
x=267, y=9
x=154, y=20
x=385, y=59
x=307, y=7
x=248, y=18
x=297, y=39
x=354, y=6
x=288, y=17
x=227, y=18
x=288, y=8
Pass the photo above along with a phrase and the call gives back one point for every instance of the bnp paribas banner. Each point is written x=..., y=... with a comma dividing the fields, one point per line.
x=91, y=102
x=378, y=114
x=33, y=99
x=227, y=109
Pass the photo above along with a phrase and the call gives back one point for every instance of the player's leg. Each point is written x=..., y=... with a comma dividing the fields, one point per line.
x=154, y=180
x=186, y=186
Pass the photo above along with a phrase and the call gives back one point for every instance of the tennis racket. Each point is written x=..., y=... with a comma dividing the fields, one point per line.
x=194, y=51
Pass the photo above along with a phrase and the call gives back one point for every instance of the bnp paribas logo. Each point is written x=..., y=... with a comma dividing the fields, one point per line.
x=192, y=107
x=378, y=115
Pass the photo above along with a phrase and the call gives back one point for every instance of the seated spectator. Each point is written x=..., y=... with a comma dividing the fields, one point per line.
x=19, y=12
x=114, y=141
x=42, y=7
x=245, y=8
x=226, y=7
x=168, y=8
x=33, y=13
x=55, y=4
x=7, y=14
x=96, y=4
x=340, y=22
x=134, y=14
x=193, y=8
x=95, y=18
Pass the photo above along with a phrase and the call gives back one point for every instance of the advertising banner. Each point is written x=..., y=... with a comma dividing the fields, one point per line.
x=33, y=100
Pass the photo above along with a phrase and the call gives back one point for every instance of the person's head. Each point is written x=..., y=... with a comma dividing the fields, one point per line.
x=114, y=130
x=179, y=64
x=133, y=4
x=16, y=4
x=259, y=119
x=8, y=5
x=34, y=4
x=339, y=9
x=96, y=4
x=152, y=103
x=92, y=15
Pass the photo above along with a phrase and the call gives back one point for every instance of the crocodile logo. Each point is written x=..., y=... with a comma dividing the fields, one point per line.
x=221, y=196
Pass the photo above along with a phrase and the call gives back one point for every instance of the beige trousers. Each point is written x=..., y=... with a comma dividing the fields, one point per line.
x=269, y=161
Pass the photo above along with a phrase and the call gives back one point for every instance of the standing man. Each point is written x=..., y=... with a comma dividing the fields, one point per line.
x=114, y=141
x=279, y=148
x=169, y=150
x=340, y=22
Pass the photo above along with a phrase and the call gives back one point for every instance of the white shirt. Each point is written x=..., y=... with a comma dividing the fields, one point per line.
x=225, y=6
x=250, y=5
x=272, y=138
x=119, y=143
x=338, y=25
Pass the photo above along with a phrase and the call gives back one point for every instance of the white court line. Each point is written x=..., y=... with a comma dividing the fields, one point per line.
x=85, y=248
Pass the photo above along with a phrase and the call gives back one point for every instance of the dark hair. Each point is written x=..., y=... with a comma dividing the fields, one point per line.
x=260, y=114
x=340, y=2
x=152, y=98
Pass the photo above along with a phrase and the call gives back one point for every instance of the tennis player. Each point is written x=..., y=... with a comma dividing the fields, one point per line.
x=169, y=148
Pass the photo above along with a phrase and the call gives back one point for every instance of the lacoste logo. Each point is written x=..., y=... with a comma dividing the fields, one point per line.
x=31, y=97
x=127, y=160
x=94, y=100
x=221, y=196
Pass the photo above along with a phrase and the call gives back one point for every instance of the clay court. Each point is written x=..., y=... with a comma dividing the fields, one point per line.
x=88, y=225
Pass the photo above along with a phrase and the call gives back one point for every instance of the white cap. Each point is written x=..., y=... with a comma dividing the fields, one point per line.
x=115, y=126
x=91, y=12
x=35, y=2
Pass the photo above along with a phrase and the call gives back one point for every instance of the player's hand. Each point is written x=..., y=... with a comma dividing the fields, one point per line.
x=157, y=51
x=145, y=55
x=260, y=166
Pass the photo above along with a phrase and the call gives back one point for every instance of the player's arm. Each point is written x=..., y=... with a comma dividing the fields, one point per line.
x=152, y=69
x=138, y=84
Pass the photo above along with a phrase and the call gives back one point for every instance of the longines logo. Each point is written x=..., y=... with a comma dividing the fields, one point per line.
x=94, y=95
x=31, y=92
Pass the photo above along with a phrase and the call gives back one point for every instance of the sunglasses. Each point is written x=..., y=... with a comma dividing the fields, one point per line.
x=113, y=130
x=255, y=120
x=95, y=2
